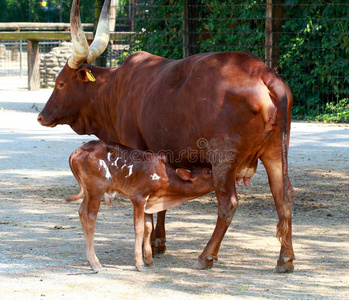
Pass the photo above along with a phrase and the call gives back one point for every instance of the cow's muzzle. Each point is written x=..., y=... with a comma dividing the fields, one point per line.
x=44, y=122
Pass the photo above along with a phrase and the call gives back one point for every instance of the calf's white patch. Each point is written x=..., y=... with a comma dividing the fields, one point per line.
x=115, y=163
x=104, y=165
x=129, y=171
x=155, y=176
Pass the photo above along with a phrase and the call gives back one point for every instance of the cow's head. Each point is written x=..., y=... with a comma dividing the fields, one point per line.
x=72, y=92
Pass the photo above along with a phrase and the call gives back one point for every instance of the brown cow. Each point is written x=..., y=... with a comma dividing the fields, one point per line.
x=147, y=179
x=219, y=110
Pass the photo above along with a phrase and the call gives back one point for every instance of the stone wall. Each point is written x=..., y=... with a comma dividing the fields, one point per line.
x=52, y=63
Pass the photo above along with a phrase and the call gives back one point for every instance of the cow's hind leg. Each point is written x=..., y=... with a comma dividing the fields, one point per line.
x=284, y=210
x=88, y=216
x=224, y=181
x=158, y=237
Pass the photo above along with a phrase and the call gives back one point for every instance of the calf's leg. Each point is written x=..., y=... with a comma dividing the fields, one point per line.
x=88, y=216
x=138, y=218
x=147, y=250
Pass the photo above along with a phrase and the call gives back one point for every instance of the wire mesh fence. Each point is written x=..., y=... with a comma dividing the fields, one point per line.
x=53, y=56
x=312, y=42
x=13, y=56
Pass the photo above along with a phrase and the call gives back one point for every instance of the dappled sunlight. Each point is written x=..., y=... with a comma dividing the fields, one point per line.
x=40, y=233
x=35, y=174
x=330, y=174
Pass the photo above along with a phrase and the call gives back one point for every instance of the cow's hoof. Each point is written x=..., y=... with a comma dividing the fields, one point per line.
x=284, y=267
x=159, y=247
x=285, y=264
x=140, y=268
x=204, y=263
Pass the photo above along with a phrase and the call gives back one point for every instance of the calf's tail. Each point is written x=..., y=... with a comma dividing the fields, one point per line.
x=73, y=169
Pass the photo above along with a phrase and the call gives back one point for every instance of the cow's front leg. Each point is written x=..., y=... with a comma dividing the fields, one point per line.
x=224, y=181
x=138, y=218
x=147, y=249
x=88, y=216
x=159, y=235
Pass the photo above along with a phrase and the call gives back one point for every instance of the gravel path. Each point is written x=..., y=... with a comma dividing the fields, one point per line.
x=42, y=247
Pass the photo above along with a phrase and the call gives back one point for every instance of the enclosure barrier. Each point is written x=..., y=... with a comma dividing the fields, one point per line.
x=33, y=39
x=305, y=42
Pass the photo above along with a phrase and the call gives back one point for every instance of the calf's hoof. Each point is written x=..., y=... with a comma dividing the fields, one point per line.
x=205, y=262
x=96, y=268
x=149, y=263
x=140, y=268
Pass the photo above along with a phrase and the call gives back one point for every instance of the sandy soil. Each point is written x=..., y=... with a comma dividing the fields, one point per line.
x=42, y=251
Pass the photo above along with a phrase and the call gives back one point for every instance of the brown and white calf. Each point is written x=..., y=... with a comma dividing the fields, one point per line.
x=150, y=182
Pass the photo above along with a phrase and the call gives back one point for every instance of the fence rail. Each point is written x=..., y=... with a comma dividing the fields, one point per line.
x=23, y=57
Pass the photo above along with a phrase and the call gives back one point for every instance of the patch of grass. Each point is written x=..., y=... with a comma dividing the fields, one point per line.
x=243, y=287
x=166, y=279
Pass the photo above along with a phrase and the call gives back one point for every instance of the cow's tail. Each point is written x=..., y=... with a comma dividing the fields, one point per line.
x=283, y=98
x=77, y=177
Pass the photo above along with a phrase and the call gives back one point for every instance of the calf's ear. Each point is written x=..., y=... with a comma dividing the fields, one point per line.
x=185, y=174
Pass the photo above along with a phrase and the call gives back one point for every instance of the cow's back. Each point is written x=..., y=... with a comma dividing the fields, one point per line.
x=170, y=105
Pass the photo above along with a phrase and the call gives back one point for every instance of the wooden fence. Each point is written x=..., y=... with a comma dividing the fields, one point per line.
x=36, y=32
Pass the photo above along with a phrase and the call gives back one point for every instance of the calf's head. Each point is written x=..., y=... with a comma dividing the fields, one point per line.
x=74, y=85
x=198, y=181
x=183, y=185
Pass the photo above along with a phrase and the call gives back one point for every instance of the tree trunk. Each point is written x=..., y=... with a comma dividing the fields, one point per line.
x=112, y=18
x=190, y=24
x=273, y=33
x=33, y=65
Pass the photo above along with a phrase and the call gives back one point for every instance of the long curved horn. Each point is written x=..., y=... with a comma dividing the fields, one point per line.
x=100, y=41
x=80, y=45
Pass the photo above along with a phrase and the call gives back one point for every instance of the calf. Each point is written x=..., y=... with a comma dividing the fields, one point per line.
x=150, y=182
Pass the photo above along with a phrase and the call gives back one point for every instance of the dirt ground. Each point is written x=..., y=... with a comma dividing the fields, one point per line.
x=42, y=251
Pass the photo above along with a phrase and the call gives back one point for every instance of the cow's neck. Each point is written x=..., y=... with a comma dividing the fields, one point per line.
x=101, y=118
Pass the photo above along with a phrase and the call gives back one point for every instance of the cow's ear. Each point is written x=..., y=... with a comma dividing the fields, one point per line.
x=86, y=75
x=185, y=174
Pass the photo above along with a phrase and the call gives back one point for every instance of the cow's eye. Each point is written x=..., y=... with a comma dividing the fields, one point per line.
x=61, y=84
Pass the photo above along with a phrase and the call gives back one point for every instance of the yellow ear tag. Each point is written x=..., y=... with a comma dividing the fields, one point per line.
x=90, y=76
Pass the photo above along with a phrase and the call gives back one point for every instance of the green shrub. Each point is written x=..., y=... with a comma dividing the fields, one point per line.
x=314, y=57
x=314, y=44
x=335, y=112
